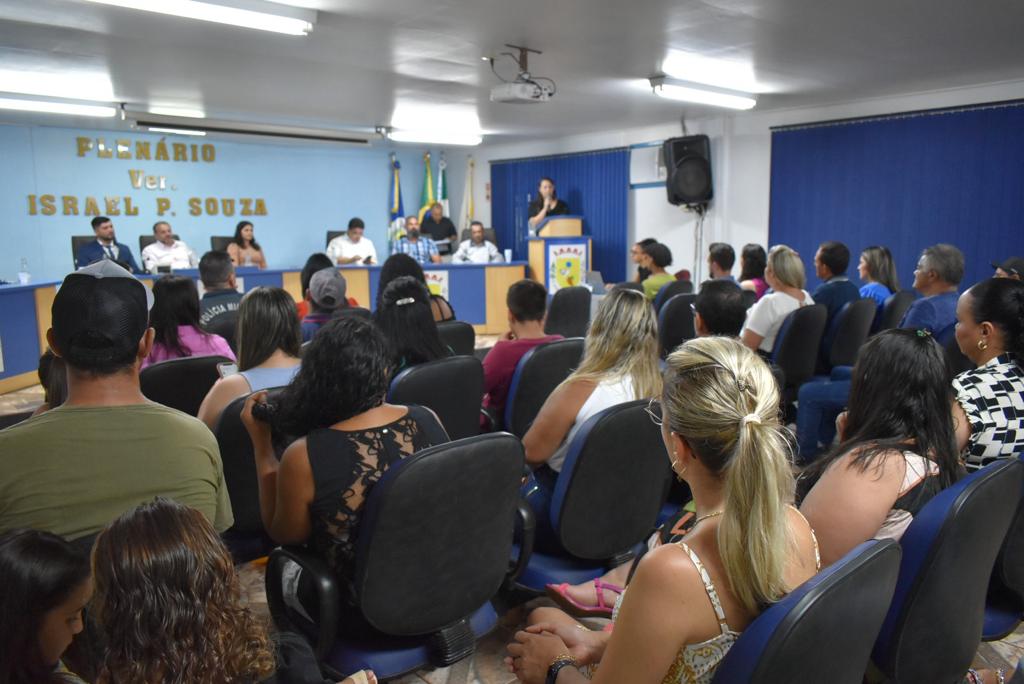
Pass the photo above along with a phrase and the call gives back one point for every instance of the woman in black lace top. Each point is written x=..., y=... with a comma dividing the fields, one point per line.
x=337, y=400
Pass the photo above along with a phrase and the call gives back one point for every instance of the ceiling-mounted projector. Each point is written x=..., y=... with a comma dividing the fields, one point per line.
x=520, y=92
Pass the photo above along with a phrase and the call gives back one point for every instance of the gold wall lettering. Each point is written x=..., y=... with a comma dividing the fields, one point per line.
x=124, y=205
x=123, y=149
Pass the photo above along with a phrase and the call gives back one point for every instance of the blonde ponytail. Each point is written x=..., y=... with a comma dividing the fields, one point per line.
x=722, y=398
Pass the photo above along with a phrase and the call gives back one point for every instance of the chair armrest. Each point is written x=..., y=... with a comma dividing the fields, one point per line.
x=528, y=524
x=327, y=596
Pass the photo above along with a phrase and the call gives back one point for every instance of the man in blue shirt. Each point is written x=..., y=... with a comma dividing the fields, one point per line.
x=830, y=264
x=420, y=248
x=937, y=276
x=105, y=247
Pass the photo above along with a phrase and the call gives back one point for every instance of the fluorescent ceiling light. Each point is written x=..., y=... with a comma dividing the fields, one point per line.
x=175, y=131
x=437, y=137
x=57, y=107
x=186, y=112
x=723, y=73
x=71, y=84
x=687, y=92
x=435, y=124
x=277, y=18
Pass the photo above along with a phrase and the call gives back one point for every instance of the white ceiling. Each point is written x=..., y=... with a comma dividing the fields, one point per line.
x=365, y=56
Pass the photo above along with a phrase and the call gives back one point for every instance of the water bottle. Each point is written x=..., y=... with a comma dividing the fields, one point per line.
x=23, y=275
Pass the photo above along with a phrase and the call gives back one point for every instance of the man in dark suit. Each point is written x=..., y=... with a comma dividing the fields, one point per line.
x=830, y=264
x=106, y=246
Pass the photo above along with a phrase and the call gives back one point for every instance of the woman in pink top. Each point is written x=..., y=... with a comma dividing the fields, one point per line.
x=175, y=319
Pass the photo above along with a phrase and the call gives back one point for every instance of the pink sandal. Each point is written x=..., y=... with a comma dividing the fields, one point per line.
x=558, y=594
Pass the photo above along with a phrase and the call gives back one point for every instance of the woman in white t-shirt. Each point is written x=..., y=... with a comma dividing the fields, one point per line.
x=785, y=275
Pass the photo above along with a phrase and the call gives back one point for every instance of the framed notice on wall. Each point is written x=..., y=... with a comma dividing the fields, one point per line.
x=566, y=263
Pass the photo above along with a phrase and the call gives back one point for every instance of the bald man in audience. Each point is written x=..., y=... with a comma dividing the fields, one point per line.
x=167, y=252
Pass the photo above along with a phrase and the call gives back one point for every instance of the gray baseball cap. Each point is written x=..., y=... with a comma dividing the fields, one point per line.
x=327, y=288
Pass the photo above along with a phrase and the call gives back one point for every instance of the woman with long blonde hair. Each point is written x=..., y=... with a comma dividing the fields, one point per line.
x=748, y=548
x=620, y=364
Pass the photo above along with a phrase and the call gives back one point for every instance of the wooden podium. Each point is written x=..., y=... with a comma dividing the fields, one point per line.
x=559, y=255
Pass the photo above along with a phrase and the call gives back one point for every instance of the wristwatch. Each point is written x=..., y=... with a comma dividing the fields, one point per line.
x=557, y=664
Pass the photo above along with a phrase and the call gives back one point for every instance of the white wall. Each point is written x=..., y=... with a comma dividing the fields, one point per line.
x=741, y=164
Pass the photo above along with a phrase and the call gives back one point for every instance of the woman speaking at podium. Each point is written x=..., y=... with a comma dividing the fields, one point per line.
x=547, y=204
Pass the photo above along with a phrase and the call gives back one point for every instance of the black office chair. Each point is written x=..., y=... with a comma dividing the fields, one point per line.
x=146, y=240
x=675, y=322
x=432, y=550
x=459, y=336
x=181, y=383
x=629, y=286
x=537, y=374
x=894, y=308
x=226, y=326
x=9, y=419
x=569, y=312
x=850, y=329
x=219, y=243
x=77, y=241
x=489, y=235
x=958, y=361
x=934, y=624
x=749, y=299
x=453, y=388
x=331, y=234
x=1004, y=605
x=796, y=346
x=670, y=290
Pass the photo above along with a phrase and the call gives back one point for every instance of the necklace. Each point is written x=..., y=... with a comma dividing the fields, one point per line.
x=705, y=517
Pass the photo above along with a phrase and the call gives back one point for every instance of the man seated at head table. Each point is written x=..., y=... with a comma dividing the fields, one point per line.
x=416, y=245
x=106, y=246
x=167, y=252
x=476, y=249
x=437, y=226
x=352, y=247
x=107, y=448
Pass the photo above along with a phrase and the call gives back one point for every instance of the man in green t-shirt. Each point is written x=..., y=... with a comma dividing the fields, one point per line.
x=75, y=468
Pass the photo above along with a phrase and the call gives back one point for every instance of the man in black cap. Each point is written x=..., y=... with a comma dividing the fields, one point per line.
x=1011, y=268
x=75, y=468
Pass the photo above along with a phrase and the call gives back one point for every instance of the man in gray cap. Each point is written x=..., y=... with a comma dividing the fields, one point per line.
x=107, y=448
x=326, y=294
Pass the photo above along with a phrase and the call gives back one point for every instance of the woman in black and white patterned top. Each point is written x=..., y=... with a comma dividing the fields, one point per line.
x=990, y=398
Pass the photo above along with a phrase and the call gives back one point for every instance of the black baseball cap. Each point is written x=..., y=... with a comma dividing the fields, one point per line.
x=99, y=315
x=1013, y=266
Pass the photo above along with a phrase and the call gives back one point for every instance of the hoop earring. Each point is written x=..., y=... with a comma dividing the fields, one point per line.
x=982, y=344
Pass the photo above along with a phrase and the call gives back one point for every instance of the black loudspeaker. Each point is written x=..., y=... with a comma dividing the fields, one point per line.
x=688, y=162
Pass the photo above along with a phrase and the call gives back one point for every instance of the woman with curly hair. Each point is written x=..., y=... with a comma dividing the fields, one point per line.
x=168, y=604
x=317, y=491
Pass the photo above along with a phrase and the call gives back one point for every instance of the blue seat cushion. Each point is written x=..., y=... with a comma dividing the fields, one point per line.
x=546, y=569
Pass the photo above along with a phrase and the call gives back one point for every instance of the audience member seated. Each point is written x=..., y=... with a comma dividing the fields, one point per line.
x=989, y=413
x=326, y=295
x=1010, y=268
x=830, y=264
x=398, y=265
x=752, y=263
x=218, y=308
x=168, y=595
x=317, y=261
x=404, y=318
x=477, y=250
x=545, y=205
x=620, y=364
x=657, y=257
x=937, y=276
x=243, y=248
x=638, y=257
x=437, y=226
x=53, y=377
x=721, y=259
x=352, y=247
x=268, y=350
x=527, y=302
x=878, y=271
x=316, y=493
x=105, y=247
x=896, y=446
x=719, y=309
x=785, y=275
x=748, y=547
x=418, y=246
x=175, y=319
x=167, y=252
x=46, y=585
x=72, y=470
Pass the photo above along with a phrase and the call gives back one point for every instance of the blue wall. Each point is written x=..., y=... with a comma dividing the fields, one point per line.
x=307, y=190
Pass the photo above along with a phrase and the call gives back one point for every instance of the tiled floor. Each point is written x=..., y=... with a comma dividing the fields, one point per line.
x=23, y=400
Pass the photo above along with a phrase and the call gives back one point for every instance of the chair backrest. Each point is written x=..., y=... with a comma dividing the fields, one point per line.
x=1009, y=569
x=453, y=388
x=675, y=322
x=219, y=243
x=670, y=290
x=489, y=236
x=331, y=234
x=537, y=374
x=225, y=325
x=9, y=419
x=629, y=286
x=76, y=244
x=895, y=306
x=797, y=343
x=458, y=335
x=181, y=383
x=850, y=329
x=934, y=624
x=749, y=298
x=237, y=455
x=613, y=482
x=569, y=312
x=823, y=630
x=146, y=240
x=436, y=534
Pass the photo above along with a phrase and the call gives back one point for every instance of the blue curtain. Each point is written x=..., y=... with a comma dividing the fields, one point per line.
x=906, y=182
x=595, y=185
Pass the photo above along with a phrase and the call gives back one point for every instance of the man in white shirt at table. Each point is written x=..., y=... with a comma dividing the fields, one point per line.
x=352, y=247
x=477, y=250
x=167, y=252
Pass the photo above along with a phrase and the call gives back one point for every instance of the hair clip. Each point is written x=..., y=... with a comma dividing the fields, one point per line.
x=405, y=300
x=924, y=332
x=742, y=386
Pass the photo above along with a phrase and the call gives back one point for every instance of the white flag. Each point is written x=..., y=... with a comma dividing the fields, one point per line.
x=466, y=215
x=442, y=184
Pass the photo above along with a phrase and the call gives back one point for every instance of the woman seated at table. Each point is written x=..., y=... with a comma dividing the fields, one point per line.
x=243, y=248
x=690, y=601
x=785, y=275
x=398, y=265
x=268, y=350
x=403, y=316
x=175, y=320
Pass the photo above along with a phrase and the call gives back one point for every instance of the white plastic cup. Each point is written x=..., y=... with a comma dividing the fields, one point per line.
x=508, y=255
x=24, y=278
